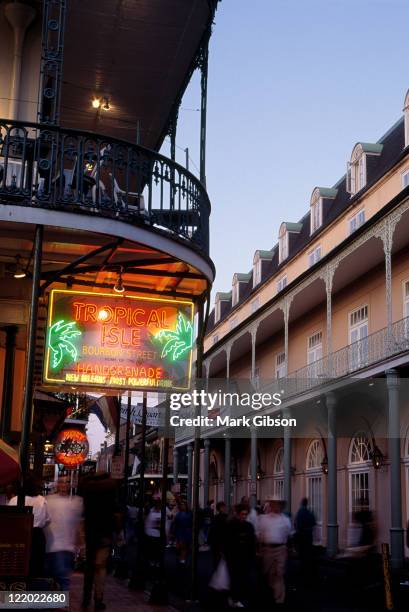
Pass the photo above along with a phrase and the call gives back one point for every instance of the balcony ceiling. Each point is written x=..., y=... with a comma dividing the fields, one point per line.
x=137, y=53
x=63, y=246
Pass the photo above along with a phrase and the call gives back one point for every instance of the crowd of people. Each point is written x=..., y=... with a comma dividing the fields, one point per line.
x=244, y=544
x=248, y=545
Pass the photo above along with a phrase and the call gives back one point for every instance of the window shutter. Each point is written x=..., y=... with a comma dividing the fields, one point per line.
x=363, y=331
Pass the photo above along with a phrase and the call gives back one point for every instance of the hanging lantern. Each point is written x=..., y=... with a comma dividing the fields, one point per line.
x=71, y=447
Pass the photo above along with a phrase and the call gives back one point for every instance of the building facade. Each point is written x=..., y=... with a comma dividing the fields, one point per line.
x=326, y=307
x=89, y=93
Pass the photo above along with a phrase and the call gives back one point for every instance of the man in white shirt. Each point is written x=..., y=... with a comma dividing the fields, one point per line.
x=62, y=532
x=273, y=531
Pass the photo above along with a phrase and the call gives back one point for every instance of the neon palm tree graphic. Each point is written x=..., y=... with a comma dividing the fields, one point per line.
x=59, y=342
x=178, y=341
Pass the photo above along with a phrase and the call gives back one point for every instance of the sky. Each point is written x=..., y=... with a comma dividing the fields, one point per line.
x=293, y=85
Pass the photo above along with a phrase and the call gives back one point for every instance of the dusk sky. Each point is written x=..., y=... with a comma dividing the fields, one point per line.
x=293, y=85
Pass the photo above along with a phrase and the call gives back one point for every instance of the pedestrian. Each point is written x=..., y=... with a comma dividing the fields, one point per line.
x=207, y=521
x=217, y=533
x=240, y=555
x=152, y=532
x=41, y=518
x=274, y=530
x=102, y=519
x=62, y=533
x=304, y=535
x=183, y=531
x=170, y=518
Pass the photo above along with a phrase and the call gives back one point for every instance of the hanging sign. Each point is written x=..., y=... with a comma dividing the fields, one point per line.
x=125, y=342
x=71, y=447
x=117, y=467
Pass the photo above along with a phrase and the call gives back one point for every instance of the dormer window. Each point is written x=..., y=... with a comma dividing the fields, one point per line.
x=357, y=166
x=282, y=243
x=235, y=294
x=217, y=311
x=356, y=175
x=220, y=298
x=257, y=273
x=321, y=197
x=286, y=229
x=316, y=215
x=406, y=118
x=239, y=280
x=259, y=258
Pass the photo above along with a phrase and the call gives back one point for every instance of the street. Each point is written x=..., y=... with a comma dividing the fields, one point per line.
x=338, y=586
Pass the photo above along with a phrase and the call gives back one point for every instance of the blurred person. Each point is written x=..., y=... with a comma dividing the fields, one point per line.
x=240, y=555
x=101, y=520
x=304, y=530
x=170, y=518
x=152, y=532
x=274, y=529
x=183, y=531
x=207, y=521
x=217, y=532
x=62, y=533
x=41, y=518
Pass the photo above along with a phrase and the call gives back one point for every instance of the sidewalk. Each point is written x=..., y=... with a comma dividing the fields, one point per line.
x=117, y=597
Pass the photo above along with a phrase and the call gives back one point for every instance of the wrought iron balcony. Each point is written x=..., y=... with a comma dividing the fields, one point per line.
x=348, y=361
x=67, y=170
x=375, y=348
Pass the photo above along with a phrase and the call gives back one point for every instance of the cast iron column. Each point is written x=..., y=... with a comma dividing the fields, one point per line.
x=126, y=461
x=31, y=348
x=159, y=594
x=227, y=470
x=52, y=57
x=206, y=460
x=287, y=468
x=118, y=425
x=203, y=63
x=175, y=465
x=396, y=531
x=332, y=525
x=189, y=474
x=137, y=580
x=196, y=462
x=253, y=468
x=8, y=381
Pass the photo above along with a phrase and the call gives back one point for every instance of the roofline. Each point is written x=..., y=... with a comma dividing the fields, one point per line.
x=349, y=239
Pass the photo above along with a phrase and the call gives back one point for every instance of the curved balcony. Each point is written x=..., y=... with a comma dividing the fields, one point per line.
x=61, y=169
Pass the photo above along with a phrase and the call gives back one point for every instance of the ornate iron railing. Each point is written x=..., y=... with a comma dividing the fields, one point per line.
x=347, y=361
x=376, y=347
x=62, y=169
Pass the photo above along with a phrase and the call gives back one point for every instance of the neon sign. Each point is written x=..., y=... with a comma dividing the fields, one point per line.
x=103, y=340
x=71, y=447
x=177, y=342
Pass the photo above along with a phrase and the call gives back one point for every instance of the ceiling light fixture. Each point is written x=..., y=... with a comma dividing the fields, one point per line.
x=19, y=271
x=96, y=103
x=106, y=106
x=119, y=288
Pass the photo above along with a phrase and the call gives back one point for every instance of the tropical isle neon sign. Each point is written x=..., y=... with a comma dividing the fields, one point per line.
x=102, y=340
